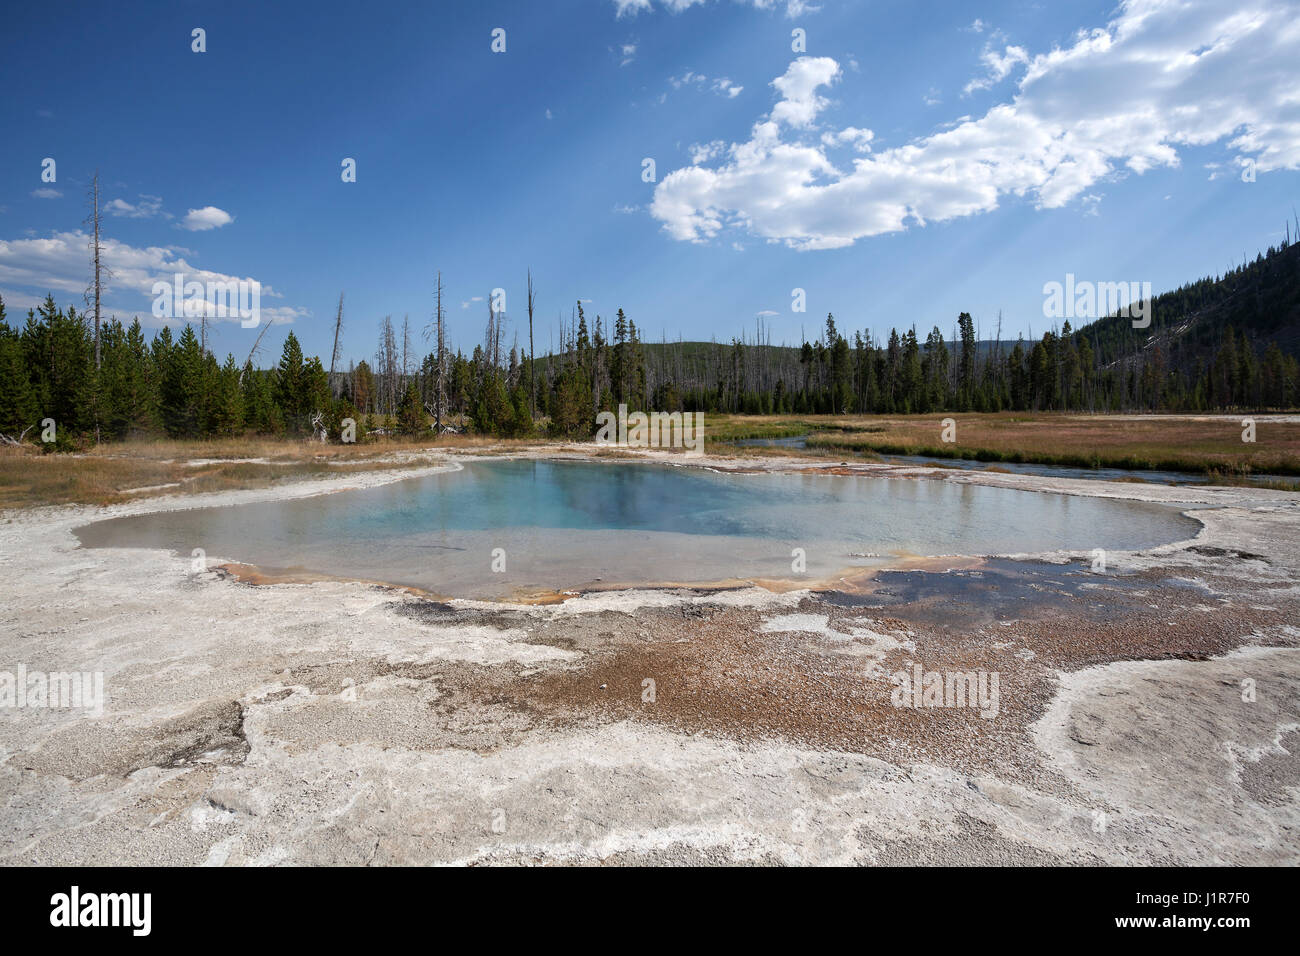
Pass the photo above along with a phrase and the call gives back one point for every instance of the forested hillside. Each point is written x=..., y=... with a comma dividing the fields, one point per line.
x=1188, y=339
x=1219, y=343
x=1228, y=342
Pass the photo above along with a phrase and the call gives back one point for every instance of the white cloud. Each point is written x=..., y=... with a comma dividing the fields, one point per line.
x=628, y=53
x=998, y=65
x=47, y=193
x=720, y=84
x=704, y=152
x=146, y=207
x=859, y=139
x=630, y=8
x=1124, y=98
x=60, y=264
x=800, y=104
x=470, y=301
x=209, y=217
x=793, y=8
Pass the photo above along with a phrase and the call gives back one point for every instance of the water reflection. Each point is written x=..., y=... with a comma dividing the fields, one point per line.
x=566, y=524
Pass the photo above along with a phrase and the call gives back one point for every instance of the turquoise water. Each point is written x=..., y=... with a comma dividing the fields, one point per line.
x=564, y=525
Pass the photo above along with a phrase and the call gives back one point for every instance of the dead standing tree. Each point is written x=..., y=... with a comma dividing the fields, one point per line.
x=338, y=338
x=489, y=342
x=438, y=328
x=94, y=221
x=386, y=366
x=532, y=357
x=252, y=353
x=406, y=352
x=496, y=325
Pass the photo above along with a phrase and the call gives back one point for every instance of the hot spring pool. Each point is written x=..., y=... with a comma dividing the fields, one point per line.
x=555, y=525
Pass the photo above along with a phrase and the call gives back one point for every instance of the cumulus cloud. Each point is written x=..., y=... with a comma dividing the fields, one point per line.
x=59, y=264
x=800, y=104
x=859, y=139
x=209, y=217
x=46, y=193
x=1162, y=75
x=793, y=8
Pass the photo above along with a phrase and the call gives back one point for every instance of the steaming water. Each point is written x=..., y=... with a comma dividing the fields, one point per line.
x=567, y=525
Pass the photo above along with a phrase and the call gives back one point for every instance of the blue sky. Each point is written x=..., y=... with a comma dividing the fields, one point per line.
x=1006, y=148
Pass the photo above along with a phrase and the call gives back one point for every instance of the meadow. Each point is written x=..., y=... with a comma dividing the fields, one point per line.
x=1212, y=446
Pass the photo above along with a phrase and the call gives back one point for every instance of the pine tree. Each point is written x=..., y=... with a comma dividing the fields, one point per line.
x=316, y=395
x=290, y=392
x=183, y=391
x=17, y=403
x=363, y=387
x=410, y=416
x=260, y=413
x=228, y=400
x=57, y=351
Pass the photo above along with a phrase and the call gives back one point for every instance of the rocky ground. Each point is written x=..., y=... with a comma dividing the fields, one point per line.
x=1146, y=714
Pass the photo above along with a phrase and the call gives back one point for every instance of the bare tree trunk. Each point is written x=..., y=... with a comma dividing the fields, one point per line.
x=441, y=358
x=95, y=223
x=338, y=334
x=253, y=351
x=406, y=362
x=390, y=359
x=386, y=366
x=489, y=339
x=496, y=339
x=437, y=328
x=532, y=356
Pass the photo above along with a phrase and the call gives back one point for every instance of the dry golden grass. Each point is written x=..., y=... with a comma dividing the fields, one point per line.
x=109, y=474
x=1090, y=441
x=29, y=478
